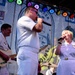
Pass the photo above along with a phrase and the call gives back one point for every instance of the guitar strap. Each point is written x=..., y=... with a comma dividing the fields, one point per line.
x=9, y=46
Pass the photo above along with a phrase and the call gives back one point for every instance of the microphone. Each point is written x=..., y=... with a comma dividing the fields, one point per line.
x=46, y=23
x=61, y=38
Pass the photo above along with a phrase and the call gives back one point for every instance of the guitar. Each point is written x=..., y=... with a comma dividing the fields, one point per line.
x=5, y=56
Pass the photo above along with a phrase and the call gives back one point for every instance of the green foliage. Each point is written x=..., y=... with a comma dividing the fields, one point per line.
x=48, y=57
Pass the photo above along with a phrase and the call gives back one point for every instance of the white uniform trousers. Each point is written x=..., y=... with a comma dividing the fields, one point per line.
x=27, y=62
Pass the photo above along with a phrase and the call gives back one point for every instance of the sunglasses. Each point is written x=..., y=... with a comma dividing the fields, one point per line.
x=34, y=11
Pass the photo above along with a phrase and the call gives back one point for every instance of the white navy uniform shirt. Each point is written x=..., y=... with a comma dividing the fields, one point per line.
x=25, y=36
x=3, y=42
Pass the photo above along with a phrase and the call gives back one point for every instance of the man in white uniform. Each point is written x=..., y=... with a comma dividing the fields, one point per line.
x=5, y=31
x=28, y=42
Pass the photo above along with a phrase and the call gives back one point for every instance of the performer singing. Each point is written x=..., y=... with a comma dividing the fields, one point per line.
x=66, y=51
x=28, y=42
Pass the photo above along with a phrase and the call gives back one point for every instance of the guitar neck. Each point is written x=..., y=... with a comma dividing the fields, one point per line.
x=12, y=56
x=7, y=52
